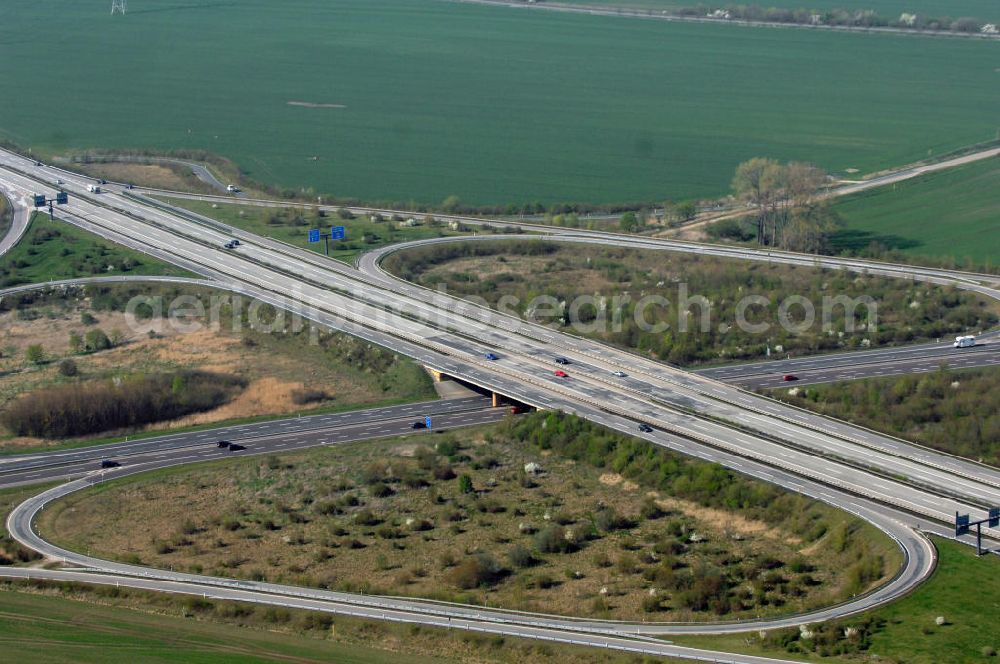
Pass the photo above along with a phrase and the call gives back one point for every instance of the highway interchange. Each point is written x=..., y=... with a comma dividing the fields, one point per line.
x=891, y=483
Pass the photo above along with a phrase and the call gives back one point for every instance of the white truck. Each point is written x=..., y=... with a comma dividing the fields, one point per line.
x=964, y=342
x=94, y=188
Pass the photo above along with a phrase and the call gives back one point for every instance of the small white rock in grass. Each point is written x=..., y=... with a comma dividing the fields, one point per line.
x=940, y=621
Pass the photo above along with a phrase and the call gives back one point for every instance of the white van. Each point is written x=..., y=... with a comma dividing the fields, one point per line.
x=964, y=342
x=94, y=188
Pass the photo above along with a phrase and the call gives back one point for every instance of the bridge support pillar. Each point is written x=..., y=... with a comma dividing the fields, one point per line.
x=496, y=400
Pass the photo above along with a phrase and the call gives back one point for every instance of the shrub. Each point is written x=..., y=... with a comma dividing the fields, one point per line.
x=465, y=484
x=475, y=571
x=304, y=397
x=520, y=556
x=68, y=368
x=553, y=539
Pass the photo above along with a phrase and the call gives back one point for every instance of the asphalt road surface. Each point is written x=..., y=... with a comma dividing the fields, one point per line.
x=859, y=364
x=271, y=436
x=889, y=482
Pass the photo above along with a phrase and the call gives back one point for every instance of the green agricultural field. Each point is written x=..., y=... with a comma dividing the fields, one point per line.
x=984, y=9
x=405, y=100
x=949, y=214
x=56, y=250
x=44, y=629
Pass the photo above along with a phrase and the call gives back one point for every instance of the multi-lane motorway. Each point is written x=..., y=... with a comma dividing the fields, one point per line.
x=889, y=482
x=922, y=358
x=272, y=436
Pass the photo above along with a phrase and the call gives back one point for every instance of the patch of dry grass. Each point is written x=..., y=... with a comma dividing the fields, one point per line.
x=388, y=518
x=274, y=366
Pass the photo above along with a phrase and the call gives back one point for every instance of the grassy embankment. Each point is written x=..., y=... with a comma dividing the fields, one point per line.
x=962, y=591
x=612, y=527
x=169, y=176
x=292, y=225
x=284, y=373
x=906, y=311
x=488, y=115
x=954, y=411
x=6, y=216
x=56, y=250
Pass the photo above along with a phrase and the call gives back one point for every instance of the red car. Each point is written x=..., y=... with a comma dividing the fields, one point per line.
x=788, y=377
x=561, y=374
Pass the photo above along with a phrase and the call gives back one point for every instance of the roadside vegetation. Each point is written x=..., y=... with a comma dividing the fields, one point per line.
x=6, y=216
x=52, y=623
x=953, y=411
x=363, y=233
x=932, y=16
x=545, y=513
x=939, y=219
x=11, y=551
x=906, y=311
x=56, y=250
x=63, y=352
x=155, y=175
x=948, y=619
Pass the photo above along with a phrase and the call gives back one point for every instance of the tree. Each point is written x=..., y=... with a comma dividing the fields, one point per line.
x=687, y=210
x=96, y=340
x=779, y=194
x=75, y=342
x=465, y=484
x=35, y=354
x=452, y=204
x=630, y=222
x=117, y=337
x=68, y=368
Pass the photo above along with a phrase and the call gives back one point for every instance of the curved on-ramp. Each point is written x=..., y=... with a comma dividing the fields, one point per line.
x=919, y=560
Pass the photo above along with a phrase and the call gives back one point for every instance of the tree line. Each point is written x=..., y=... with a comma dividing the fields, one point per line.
x=123, y=402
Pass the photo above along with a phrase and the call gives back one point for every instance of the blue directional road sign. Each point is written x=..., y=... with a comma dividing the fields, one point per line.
x=338, y=233
x=314, y=235
x=427, y=421
x=961, y=524
x=39, y=200
x=62, y=198
x=994, y=517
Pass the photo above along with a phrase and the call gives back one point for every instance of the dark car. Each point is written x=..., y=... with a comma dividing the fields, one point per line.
x=419, y=424
x=223, y=443
x=130, y=186
x=233, y=447
x=108, y=463
x=789, y=377
x=645, y=428
x=562, y=360
x=102, y=181
x=492, y=357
